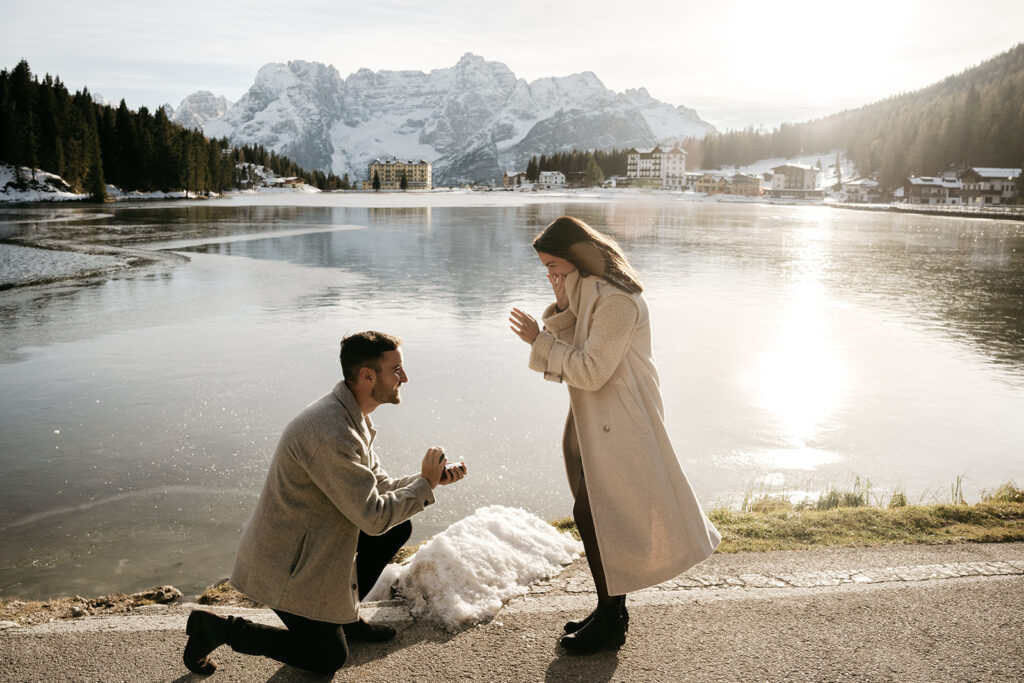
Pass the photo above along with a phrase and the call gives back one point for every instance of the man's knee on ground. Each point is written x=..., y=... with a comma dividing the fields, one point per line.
x=329, y=660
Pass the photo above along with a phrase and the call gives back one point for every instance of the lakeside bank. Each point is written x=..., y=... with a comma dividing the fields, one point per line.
x=766, y=524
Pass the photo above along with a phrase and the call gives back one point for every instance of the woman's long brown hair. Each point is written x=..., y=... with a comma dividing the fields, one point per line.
x=591, y=252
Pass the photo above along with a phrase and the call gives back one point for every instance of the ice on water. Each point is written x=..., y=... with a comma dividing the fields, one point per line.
x=466, y=573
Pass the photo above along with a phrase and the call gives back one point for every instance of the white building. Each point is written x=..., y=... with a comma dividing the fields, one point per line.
x=932, y=190
x=657, y=167
x=989, y=186
x=551, y=180
x=861, y=190
x=796, y=181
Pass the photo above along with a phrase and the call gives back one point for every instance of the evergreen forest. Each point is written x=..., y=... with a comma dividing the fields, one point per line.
x=975, y=118
x=44, y=126
x=580, y=167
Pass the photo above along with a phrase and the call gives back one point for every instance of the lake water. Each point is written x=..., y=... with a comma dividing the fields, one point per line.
x=798, y=347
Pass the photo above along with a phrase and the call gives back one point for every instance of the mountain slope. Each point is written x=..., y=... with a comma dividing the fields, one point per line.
x=472, y=120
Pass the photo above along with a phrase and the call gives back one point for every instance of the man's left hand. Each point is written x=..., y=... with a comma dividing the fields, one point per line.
x=453, y=474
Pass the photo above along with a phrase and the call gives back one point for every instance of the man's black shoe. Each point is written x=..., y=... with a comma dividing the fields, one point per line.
x=367, y=633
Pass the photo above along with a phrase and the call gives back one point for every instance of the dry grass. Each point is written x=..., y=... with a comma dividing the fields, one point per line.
x=28, y=612
x=855, y=517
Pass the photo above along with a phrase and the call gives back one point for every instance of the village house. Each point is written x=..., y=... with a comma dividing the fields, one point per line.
x=989, y=186
x=657, y=167
x=711, y=184
x=390, y=171
x=931, y=190
x=514, y=180
x=861, y=190
x=290, y=182
x=795, y=181
x=745, y=185
x=550, y=180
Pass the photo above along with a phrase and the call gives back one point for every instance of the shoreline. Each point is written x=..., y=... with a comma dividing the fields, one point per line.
x=773, y=525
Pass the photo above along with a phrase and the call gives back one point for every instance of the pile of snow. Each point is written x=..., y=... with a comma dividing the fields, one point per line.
x=466, y=573
x=32, y=185
x=117, y=194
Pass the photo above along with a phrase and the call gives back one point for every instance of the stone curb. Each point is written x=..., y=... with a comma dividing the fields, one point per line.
x=816, y=579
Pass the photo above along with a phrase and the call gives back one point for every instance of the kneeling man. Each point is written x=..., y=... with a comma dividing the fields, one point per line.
x=328, y=521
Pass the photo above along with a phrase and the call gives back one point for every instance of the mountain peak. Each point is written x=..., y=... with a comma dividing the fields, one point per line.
x=471, y=120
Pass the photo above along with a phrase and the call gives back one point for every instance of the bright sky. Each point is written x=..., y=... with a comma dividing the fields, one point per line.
x=737, y=63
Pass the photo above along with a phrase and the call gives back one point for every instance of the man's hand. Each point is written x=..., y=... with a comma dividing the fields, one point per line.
x=433, y=466
x=454, y=473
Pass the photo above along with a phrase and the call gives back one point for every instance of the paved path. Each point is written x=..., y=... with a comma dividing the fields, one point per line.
x=910, y=613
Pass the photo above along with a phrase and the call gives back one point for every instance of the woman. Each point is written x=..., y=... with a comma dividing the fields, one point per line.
x=639, y=519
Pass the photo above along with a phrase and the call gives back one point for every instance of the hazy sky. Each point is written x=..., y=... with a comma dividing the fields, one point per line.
x=736, y=63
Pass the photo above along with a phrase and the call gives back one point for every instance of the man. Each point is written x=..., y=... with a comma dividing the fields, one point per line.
x=328, y=521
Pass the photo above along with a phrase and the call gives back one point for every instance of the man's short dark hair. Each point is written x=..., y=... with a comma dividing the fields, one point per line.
x=365, y=349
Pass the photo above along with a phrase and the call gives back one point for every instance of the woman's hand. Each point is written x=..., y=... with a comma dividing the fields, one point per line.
x=523, y=324
x=558, y=287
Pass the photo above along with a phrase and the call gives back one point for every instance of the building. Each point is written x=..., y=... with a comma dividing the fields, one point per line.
x=390, y=172
x=745, y=185
x=514, y=180
x=989, y=186
x=711, y=184
x=931, y=190
x=657, y=167
x=861, y=190
x=691, y=181
x=795, y=181
x=551, y=180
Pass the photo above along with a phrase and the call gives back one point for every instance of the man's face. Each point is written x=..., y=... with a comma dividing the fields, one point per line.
x=390, y=378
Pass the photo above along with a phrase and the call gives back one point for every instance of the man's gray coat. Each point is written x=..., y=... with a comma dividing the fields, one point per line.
x=325, y=485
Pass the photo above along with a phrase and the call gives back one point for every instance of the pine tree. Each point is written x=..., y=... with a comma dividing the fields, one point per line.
x=404, y=184
x=376, y=181
x=592, y=176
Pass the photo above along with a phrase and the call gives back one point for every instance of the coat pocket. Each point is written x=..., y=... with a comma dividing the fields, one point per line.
x=632, y=407
x=299, y=557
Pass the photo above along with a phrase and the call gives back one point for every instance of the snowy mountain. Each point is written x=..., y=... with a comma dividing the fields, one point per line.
x=198, y=108
x=472, y=121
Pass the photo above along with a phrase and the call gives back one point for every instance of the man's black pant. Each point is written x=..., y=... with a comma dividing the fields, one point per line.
x=318, y=645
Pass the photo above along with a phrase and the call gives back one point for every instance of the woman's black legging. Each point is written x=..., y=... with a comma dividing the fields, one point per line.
x=585, y=523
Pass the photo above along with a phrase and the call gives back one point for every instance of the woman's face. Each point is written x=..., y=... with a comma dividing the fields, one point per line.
x=555, y=265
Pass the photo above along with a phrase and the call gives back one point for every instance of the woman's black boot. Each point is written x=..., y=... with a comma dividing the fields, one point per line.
x=573, y=626
x=606, y=630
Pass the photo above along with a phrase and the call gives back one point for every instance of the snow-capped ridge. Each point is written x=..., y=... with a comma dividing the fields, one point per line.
x=472, y=120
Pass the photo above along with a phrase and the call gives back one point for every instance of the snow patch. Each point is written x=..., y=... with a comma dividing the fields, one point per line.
x=32, y=185
x=468, y=571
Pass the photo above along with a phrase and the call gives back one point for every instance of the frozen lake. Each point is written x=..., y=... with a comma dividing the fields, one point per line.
x=798, y=347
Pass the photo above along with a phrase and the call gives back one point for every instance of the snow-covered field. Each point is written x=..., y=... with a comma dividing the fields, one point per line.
x=22, y=265
x=824, y=160
x=464, y=574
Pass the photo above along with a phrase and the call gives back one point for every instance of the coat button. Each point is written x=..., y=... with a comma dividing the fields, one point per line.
x=607, y=428
x=355, y=586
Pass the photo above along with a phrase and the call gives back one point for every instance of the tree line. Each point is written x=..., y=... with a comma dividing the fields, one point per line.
x=44, y=126
x=583, y=167
x=971, y=119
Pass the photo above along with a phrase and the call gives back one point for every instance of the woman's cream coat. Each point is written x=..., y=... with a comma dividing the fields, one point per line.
x=650, y=526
